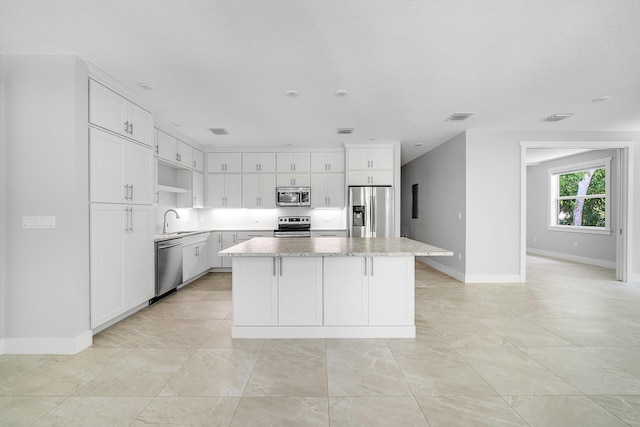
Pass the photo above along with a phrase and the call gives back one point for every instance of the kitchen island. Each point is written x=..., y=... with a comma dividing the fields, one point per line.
x=325, y=287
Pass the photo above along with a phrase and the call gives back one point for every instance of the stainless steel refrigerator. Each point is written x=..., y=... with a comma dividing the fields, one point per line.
x=370, y=212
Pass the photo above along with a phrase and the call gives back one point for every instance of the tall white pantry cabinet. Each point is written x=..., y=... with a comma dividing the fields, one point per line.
x=121, y=173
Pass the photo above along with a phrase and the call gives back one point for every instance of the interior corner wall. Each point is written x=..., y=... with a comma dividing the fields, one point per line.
x=440, y=175
x=47, y=305
x=2, y=208
x=493, y=199
x=596, y=249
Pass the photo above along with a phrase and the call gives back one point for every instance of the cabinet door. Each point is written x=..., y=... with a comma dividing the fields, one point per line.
x=335, y=162
x=109, y=230
x=141, y=284
x=251, y=191
x=229, y=239
x=359, y=158
x=140, y=172
x=255, y=291
x=107, y=109
x=216, y=191
x=215, y=246
x=284, y=162
x=198, y=160
x=107, y=164
x=198, y=190
x=335, y=190
x=346, y=291
x=299, y=291
x=233, y=191
x=294, y=180
x=141, y=128
x=189, y=261
x=166, y=146
x=267, y=191
x=294, y=162
x=224, y=162
x=381, y=178
x=381, y=158
x=318, y=190
x=250, y=162
x=391, y=291
x=202, y=263
x=185, y=154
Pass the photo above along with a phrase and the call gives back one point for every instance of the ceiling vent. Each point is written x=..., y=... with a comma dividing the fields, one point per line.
x=557, y=117
x=219, y=131
x=345, y=131
x=458, y=117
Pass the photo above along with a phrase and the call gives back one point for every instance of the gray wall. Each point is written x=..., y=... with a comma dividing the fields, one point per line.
x=2, y=209
x=600, y=248
x=493, y=197
x=47, y=270
x=440, y=175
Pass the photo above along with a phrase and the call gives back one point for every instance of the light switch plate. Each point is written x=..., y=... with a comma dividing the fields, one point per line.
x=38, y=222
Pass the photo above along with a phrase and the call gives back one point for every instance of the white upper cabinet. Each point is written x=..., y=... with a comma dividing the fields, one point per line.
x=258, y=162
x=198, y=160
x=370, y=158
x=173, y=150
x=293, y=180
x=117, y=114
x=327, y=190
x=120, y=171
x=224, y=190
x=259, y=191
x=327, y=162
x=224, y=162
x=294, y=162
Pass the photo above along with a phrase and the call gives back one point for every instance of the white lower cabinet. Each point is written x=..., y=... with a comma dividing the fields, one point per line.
x=391, y=291
x=121, y=259
x=195, y=256
x=375, y=291
x=215, y=246
x=255, y=291
x=267, y=291
x=229, y=238
x=346, y=291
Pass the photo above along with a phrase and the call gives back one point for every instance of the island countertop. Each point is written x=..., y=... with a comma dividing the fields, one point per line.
x=334, y=246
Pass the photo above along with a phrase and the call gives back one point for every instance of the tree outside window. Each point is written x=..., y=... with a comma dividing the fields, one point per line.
x=579, y=196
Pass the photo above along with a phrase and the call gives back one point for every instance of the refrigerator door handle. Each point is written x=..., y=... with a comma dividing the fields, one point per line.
x=373, y=214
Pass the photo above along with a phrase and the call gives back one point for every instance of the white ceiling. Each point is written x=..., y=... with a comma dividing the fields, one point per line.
x=407, y=65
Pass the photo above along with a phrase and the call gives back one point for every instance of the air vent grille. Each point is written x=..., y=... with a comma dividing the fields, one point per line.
x=219, y=131
x=557, y=117
x=345, y=131
x=458, y=117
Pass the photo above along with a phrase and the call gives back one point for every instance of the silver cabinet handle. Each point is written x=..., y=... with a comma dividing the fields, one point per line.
x=126, y=127
x=371, y=266
x=280, y=266
x=126, y=192
x=365, y=266
x=157, y=150
x=274, y=266
x=194, y=200
x=194, y=163
x=131, y=187
x=329, y=198
x=157, y=197
x=131, y=128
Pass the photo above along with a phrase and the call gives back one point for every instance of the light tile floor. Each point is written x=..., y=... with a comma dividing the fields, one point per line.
x=561, y=350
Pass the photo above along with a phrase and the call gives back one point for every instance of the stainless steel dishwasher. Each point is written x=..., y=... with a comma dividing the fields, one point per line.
x=168, y=266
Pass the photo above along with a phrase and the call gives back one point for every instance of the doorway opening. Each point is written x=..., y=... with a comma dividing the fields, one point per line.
x=622, y=224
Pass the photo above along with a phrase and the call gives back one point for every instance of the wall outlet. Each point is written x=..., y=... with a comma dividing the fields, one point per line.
x=459, y=215
x=459, y=256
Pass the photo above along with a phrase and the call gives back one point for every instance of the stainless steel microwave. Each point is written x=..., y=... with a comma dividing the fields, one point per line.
x=293, y=196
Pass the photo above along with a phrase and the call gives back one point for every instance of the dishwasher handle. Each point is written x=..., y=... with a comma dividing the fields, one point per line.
x=168, y=245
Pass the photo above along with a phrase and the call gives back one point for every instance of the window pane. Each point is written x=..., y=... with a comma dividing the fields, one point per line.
x=568, y=183
x=593, y=213
x=565, y=212
x=598, y=181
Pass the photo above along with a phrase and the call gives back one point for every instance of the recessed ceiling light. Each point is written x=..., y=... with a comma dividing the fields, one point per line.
x=292, y=93
x=146, y=86
x=345, y=131
x=219, y=131
x=341, y=93
x=557, y=117
x=458, y=117
x=601, y=99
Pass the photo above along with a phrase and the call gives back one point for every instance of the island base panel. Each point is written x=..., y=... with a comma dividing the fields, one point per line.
x=267, y=332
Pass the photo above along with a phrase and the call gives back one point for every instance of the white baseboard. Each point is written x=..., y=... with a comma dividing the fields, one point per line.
x=470, y=278
x=574, y=258
x=48, y=345
x=1, y=346
x=441, y=268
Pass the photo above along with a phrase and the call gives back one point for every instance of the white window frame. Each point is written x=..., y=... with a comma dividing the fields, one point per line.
x=553, y=195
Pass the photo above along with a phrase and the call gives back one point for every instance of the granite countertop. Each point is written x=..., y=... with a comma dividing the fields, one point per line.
x=334, y=246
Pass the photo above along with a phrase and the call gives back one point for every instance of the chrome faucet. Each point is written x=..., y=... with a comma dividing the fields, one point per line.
x=164, y=224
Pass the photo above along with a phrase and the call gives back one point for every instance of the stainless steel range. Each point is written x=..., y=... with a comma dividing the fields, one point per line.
x=293, y=226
